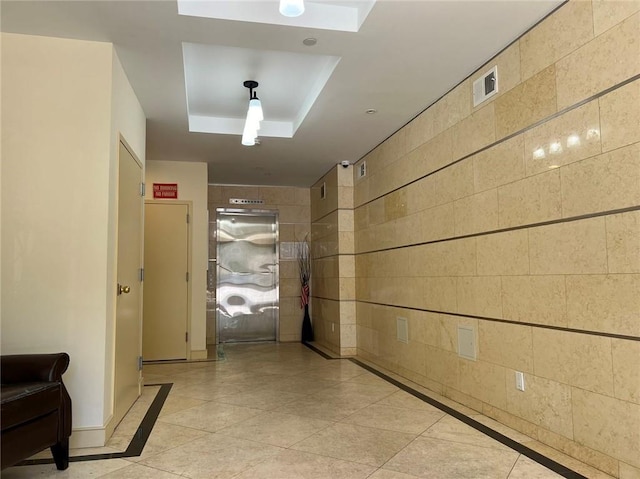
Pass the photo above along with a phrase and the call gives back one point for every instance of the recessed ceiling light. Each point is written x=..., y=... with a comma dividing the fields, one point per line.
x=371, y=111
x=310, y=41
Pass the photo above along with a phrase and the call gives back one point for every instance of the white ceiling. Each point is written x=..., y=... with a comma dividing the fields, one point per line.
x=405, y=55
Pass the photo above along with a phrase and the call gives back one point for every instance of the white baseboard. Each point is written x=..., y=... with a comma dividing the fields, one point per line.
x=199, y=354
x=88, y=437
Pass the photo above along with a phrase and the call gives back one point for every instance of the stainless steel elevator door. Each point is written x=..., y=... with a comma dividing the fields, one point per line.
x=247, y=276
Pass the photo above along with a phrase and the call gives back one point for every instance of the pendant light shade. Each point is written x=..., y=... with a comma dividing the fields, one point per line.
x=291, y=8
x=254, y=116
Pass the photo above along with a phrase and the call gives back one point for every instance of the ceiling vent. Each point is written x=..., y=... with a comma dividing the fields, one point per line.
x=486, y=86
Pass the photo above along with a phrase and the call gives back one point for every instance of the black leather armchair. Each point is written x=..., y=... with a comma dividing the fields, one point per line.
x=35, y=408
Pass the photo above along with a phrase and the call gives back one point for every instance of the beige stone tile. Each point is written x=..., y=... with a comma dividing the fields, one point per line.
x=607, y=424
x=442, y=366
x=78, y=470
x=476, y=213
x=452, y=108
x=499, y=165
x=454, y=430
x=163, y=436
x=558, y=35
x=448, y=330
x=210, y=416
x=420, y=195
x=628, y=472
x=523, y=426
x=502, y=429
x=395, y=205
x=570, y=462
x=503, y=253
x=568, y=138
x=454, y=182
x=525, y=468
x=438, y=151
x=427, y=457
x=605, y=182
x=565, y=356
x=419, y=130
x=345, y=220
x=450, y=258
x=137, y=471
x=479, y=296
x=608, y=13
x=577, y=247
x=586, y=455
x=508, y=345
x=620, y=116
x=436, y=223
x=301, y=465
x=606, y=60
x=608, y=303
x=626, y=369
x=508, y=63
x=275, y=428
x=529, y=102
x=402, y=399
x=359, y=444
x=214, y=456
x=474, y=132
x=394, y=419
x=531, y=200
x=543, y=402
x=385, y=474
x=484, y=381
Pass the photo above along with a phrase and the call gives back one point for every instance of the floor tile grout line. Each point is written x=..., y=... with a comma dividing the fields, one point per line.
x=507, y=441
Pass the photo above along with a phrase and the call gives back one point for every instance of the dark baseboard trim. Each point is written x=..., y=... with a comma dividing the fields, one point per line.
x=139, y=438
x=516, y=446
x=319, y=351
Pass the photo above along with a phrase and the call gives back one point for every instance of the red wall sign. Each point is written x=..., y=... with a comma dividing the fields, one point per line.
x=165, y=191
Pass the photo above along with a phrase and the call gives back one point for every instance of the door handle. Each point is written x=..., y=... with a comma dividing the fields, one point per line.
x=123, y=289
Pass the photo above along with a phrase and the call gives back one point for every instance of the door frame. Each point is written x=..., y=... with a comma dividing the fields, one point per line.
x=189, y=205
x=251, y=212
x=110, y=423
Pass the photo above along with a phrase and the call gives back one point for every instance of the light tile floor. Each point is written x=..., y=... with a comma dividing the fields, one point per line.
x=283, y=411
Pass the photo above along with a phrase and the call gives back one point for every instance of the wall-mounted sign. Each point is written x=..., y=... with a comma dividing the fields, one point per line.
x=165, y=191
x=244, y=201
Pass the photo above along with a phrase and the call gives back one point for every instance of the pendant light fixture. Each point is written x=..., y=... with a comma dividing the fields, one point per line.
x=291, y=8
x=254, y=116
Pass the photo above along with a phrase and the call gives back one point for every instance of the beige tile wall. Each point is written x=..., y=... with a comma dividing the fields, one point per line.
x=534, y=241
x=293, y=206
x=333, y=282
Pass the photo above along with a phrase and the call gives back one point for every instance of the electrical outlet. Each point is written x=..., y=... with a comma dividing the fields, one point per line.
x=333, y=327
x=519, y=381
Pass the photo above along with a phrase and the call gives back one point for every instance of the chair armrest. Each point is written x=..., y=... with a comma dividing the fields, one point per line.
x=23, y=368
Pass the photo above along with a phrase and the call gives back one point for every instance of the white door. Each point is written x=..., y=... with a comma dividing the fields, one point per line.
x=166, y=281
x=129, y=287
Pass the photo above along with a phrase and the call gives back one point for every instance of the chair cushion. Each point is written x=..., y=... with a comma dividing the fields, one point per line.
x=25, y=402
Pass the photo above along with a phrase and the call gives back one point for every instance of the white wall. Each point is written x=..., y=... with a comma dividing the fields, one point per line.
x=192, y=186
x=58, y=210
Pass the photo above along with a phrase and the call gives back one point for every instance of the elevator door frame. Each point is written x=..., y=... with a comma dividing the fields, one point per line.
x=250, y=212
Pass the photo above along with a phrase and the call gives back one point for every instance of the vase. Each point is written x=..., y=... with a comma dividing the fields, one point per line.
x=307, y=329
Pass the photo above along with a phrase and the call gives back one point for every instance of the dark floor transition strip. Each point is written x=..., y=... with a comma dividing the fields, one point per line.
x=139, y=438
x=507, y=441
